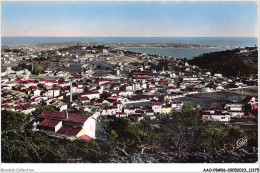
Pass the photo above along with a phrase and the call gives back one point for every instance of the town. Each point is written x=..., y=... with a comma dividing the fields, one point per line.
x=86, y=83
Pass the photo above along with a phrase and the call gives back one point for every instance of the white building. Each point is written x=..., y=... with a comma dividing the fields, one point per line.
x=91, y=94
x=177, y=106
x=157, y=107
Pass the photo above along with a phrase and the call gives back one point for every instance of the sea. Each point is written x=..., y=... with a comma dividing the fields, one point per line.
x=227, y=42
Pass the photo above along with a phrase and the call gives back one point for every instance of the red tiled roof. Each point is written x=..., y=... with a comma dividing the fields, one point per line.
x=77, y=75
x=43, y=72
x=85, y=137
x=30, y=81
x=99, y=100
x=172, y=88
x=139, y=111
x=61, y=116
x=4, y=106
x=112, y=98
x=51, y=81
x=78, y=83
x=67, y=130
x=17, y=107
x=192, y=86
x=83, y=98
x=7, y=101
x=149, y=110
x=27, y=106
x=120, y=113
x=49, y=123
x=53, y=101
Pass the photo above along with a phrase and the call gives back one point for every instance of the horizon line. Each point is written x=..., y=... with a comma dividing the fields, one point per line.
x=138, y=37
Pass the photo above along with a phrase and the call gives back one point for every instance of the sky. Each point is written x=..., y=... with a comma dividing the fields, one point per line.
x=129, y=19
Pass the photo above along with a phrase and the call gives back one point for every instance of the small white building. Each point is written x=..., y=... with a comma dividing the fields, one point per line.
x=177, y=106
x=91, y=94
x=157, y=107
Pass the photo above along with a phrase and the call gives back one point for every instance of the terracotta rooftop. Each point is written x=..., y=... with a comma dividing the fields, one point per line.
x=61, y=116
x=70, y=131
x=49, y=123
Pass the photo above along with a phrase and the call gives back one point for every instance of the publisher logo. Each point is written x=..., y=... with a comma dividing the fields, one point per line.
x=241, y=142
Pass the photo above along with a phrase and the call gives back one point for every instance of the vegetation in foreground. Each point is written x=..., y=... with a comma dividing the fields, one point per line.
x=37, y=147
x=185, y=133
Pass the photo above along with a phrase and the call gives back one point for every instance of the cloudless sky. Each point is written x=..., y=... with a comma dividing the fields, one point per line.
x=130, y=19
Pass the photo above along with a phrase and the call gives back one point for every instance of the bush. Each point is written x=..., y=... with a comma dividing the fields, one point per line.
x=219, y=137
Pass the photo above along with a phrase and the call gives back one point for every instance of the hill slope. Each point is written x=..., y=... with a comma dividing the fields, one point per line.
x=228, y=63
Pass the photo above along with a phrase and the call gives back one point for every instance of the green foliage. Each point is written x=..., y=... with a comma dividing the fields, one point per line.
x=41, y=108
x=22, y=66
x=226, y=62
x=132, y=136
x=38, y=69
x=38, y=147
x=188, y=116
x=88, y=150
x=219, y=137
x=12, y=120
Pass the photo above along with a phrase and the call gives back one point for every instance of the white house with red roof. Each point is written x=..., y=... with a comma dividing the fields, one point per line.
x=120, y=114
x=190, y=78
x=91, y=94
x=177, y=105
x=68, y=124
x=84, y=99
x=173, y=89
x=53, y=92
x=3, y=73
x=109, y=110
x=157, y=107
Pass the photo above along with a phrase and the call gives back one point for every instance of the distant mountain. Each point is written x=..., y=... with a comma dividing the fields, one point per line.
x=236, y=62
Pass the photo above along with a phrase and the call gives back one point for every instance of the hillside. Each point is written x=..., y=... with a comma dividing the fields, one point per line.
x=228, y=63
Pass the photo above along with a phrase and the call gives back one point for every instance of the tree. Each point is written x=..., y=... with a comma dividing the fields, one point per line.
x=38, y=69
x=22, y=66
x=12, y=120
x=41, y=108
x=188, y=116
x=219, y=137
x=128, y=136
x=37, y=147
x=227, y=62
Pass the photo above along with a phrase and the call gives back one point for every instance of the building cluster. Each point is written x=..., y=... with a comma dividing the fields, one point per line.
x=147, y=90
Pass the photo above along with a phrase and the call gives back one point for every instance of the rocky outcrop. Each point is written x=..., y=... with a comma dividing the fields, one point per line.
x=237, y=156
